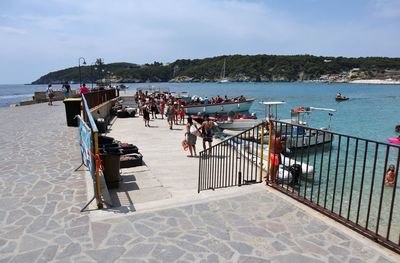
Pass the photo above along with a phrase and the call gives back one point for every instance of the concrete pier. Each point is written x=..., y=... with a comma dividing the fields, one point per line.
x=41, y=197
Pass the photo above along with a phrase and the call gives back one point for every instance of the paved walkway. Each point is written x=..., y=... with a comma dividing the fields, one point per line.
x=40, y=199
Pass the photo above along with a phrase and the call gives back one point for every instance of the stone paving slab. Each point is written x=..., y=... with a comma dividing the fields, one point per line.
x=40, y=219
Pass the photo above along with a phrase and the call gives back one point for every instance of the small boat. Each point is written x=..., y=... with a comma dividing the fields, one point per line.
x=341, y=98
x=238, y=122
x=301, y=136
x=122, y=87
x=219, y=108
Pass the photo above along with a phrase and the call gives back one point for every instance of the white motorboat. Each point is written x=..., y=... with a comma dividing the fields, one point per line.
x=301, y=135
x=219, y=108
x=296, y=130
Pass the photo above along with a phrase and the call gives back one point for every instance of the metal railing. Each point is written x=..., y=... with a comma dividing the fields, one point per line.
x=339, y=175
x=96, y=98
x=232, y=162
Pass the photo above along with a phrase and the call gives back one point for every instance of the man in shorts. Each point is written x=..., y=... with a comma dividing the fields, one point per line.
x=276, y=148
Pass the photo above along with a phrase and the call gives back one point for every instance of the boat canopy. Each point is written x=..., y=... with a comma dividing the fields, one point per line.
x=273, y=102
x=271, y=109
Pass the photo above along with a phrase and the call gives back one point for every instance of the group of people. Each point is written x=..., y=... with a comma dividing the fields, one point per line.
x=66, y=89
x=215, y=100
x=164, y=104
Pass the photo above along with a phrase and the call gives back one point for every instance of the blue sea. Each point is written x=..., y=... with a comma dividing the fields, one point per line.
x=372, y=111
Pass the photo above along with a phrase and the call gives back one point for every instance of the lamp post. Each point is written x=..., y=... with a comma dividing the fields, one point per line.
x=80, y=74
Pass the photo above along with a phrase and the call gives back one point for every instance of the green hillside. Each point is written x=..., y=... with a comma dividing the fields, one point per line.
x=238, y=68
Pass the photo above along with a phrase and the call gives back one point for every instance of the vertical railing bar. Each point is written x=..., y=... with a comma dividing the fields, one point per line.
x=382, y=191
x=314, y=163
x=248, y=155
x=308, y=160
x=296, y=151
x=344, y=175
x=209, y=168
x=352, y=179
x=372, y=184
x=362, y=181
x=329, y=170
x=199, y=179
x=256, y=159
x=240, y=161
x=236, y=164
x=336, y=173
x=301, y=158
x=219, y=167
x=228, y=182
x=393, y=195
x=226, y=166
x=290, y=159
x=252, y=155
x=284, y=157
x=321, y=165
x=283, y=166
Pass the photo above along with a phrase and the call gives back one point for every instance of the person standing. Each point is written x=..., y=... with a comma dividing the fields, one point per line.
x=191, y=138
x=146, y=115
x=50, y=94
x=162, y=107
x=83, y=89
x=207, y=132
x=276, y=148
x=170, y=115
x=67, y=89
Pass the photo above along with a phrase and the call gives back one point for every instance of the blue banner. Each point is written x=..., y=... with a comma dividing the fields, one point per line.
x=85, y=142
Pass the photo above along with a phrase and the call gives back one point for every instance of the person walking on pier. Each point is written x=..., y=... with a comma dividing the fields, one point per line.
x=170, y=115
x=50, y=94
x=191, y=138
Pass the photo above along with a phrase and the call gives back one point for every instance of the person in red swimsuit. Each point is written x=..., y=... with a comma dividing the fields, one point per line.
x=276, y=148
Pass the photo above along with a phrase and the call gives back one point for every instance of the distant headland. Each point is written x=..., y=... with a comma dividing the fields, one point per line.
x=238, y=68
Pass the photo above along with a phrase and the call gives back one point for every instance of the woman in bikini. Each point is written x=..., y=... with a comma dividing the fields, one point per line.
x=207, y=133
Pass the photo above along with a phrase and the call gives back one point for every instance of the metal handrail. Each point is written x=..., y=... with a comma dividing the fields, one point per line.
x=342, y=176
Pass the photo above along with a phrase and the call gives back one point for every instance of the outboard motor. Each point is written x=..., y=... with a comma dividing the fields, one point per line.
x=296, y=172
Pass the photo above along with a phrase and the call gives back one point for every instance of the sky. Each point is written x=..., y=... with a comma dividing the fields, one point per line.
x=40, y=36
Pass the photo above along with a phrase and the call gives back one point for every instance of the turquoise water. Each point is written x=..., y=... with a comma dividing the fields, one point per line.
x=372, y=111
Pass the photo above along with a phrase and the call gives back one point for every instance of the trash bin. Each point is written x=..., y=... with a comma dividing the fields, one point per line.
x=111, y=163
x=72, y=108
x=101, y=125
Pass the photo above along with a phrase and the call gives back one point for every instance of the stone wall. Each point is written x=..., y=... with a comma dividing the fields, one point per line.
x=41, y=96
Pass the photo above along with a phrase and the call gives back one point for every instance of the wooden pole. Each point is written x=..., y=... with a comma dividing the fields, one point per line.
x=98, y=187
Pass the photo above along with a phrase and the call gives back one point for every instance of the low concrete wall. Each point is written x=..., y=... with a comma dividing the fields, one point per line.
x=103, y=110
x=41, y=96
